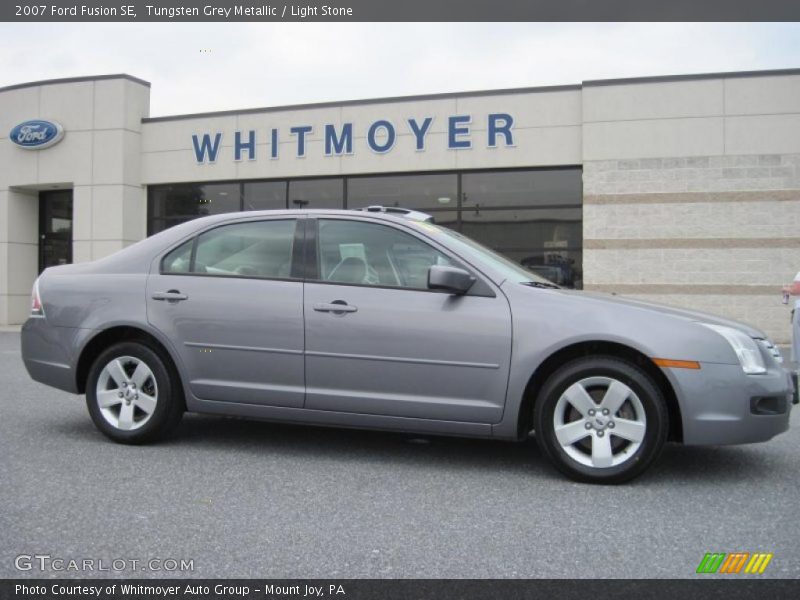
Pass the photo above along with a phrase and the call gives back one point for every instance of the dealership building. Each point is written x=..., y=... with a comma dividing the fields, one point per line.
x=682, y=190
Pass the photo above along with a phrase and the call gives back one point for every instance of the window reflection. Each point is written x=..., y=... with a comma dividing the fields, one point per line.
x=316, y=193
x=437, y=191
x=539, y=187
x=194, y=200
x=264, y=195
x=546, y=241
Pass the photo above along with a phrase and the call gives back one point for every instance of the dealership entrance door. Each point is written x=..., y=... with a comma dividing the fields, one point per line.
x=55, y=228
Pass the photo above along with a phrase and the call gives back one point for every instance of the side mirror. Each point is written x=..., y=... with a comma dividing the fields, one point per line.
x=450, y=279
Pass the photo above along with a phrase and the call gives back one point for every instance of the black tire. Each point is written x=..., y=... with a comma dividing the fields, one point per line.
x=634, y=459
x=169, y=406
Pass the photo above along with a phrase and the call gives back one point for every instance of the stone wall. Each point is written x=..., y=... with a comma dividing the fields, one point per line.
x=713, y=233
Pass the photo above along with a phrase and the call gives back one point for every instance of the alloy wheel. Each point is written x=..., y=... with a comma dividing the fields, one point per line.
x=127, y=393
x=599, y=422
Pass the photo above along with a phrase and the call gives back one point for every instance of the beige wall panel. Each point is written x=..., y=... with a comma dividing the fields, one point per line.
x=71, y=104
x=762, y=95
x=654, y=138
x=539, y=109
x=658, y=100
x=763, y=134
x=69, y=161
x=17, y=106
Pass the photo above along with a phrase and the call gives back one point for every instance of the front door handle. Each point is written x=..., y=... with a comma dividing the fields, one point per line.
x=337, y=307
x=170, y=296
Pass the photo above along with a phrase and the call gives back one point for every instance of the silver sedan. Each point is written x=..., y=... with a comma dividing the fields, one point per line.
x=381, y=319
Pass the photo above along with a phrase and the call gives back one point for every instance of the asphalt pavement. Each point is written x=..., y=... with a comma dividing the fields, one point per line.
x=251, y=499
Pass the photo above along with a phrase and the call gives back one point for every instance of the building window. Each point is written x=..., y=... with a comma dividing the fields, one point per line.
x=534, y=188
x=316, y=193
x=533, y=216
x=438, y=191
x=264, y=195
x=435, y=193
x=173, y=204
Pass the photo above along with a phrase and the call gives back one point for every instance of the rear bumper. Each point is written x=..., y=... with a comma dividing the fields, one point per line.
x=721, y=405
x=48, y=354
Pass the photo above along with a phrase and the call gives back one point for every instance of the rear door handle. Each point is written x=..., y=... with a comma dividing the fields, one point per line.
x=337, y=306
x=170, y=296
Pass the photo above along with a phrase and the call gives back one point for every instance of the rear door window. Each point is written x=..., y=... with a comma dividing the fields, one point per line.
x=259, y=249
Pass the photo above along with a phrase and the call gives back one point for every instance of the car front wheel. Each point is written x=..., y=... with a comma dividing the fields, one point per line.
x=601, y=420
x=131, y=394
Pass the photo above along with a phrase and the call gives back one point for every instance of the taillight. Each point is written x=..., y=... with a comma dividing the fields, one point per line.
x=37, y=310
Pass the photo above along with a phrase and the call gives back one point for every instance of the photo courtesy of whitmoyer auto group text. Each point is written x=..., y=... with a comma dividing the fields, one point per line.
x=420, y=300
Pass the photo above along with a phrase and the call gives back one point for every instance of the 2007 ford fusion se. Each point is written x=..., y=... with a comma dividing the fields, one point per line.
x=381, y=319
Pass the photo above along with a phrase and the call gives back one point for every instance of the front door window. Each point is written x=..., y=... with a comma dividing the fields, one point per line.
x=362, y=253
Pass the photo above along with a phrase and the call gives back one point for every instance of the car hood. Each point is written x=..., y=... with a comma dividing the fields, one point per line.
x=600, y=298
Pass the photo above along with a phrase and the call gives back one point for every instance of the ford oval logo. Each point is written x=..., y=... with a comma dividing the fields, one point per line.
x=37, y=134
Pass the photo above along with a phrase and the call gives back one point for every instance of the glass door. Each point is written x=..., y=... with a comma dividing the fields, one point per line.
x=55, y=228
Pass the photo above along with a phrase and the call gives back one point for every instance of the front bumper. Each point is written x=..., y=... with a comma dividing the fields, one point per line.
x=721, y=405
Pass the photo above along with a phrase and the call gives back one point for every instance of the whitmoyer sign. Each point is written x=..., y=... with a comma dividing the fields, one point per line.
x=338, y=139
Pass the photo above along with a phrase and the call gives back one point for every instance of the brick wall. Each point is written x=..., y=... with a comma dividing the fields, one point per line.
x=713, y=233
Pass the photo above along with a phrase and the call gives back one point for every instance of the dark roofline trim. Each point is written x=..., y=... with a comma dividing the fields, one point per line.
x=477, y=94
x=367, y=101
x=20, y=86
x=692, y=77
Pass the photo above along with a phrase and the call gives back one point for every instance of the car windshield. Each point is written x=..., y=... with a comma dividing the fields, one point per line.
x=471, y=249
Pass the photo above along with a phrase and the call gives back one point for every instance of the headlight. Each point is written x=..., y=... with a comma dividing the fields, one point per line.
x=772, y=350
x=744, y=346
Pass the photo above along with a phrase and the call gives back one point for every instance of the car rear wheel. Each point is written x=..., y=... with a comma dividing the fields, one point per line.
x=601, y=420
x=131, y=394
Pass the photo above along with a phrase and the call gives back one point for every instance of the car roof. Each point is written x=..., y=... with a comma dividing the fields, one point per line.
x=388, y=213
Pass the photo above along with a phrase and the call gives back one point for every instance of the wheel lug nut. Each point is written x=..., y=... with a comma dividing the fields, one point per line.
x=591, y=412
x=588, y=426
x=124, y=384
x=611, y=424
x=605, y=411
x=119, y=394
x=600, y=433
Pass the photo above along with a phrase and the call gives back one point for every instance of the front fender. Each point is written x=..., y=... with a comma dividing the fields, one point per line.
x=547, y=321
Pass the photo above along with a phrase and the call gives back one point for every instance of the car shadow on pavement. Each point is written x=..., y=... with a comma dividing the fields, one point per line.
x=717, y=464
x=219, y=434
x=212, y=434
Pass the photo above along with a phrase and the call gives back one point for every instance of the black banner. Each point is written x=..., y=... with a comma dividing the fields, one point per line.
x=397, y=589
x=398, y=10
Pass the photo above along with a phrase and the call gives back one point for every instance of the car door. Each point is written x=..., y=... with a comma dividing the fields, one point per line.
x=379, y=342
x=232, y=306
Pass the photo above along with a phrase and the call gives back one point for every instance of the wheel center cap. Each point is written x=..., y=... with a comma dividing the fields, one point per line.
x=599, y=422
x=128, y=393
